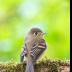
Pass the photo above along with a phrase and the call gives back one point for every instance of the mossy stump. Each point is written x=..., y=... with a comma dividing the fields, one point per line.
x=45, y=65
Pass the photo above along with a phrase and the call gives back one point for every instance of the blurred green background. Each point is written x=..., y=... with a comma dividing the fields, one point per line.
x=17, y=17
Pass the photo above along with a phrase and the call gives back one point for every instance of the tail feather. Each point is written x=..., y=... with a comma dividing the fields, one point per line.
x=29, y=67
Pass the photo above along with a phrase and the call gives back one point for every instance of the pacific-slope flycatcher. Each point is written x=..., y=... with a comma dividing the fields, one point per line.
x=34, y=45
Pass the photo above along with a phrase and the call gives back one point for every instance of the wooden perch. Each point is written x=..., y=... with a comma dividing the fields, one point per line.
x=46, y=65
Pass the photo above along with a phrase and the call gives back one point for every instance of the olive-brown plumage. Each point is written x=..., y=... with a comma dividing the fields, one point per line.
x=34, y=45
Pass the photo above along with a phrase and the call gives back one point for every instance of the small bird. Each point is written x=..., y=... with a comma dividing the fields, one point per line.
x=34, y=45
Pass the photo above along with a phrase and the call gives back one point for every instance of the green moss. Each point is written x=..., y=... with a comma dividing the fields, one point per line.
x=46, y=65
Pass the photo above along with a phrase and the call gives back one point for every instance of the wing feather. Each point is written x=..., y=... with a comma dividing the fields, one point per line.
x=38, y=49
x=23, y=52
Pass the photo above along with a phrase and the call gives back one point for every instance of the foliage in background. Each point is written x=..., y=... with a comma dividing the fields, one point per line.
x=18, y=16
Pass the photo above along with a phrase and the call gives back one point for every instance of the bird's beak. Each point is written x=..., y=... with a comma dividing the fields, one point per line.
x=43, y=33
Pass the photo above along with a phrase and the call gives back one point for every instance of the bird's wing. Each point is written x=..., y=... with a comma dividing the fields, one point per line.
x=38, y=49
x=23, y=52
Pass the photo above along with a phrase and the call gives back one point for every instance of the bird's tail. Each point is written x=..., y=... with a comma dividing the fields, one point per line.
x=29, y=67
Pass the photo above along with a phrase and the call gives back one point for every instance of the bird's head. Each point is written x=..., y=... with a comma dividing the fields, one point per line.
x=35, y=33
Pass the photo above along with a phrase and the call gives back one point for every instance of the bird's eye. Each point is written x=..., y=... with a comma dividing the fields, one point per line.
x=35, y=33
